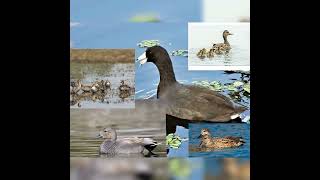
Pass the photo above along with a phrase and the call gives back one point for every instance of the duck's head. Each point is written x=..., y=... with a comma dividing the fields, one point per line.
x=204, y=132
x=107, y=133
x=155, y=54
x=226, y=33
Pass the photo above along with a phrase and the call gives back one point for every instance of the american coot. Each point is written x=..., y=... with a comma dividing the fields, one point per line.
x=112, y=145
x=217, y=143
x=225, y=46
x=188, y=101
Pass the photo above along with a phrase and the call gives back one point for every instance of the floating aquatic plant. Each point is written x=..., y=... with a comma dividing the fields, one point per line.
x=148, y=43
x=173, y=141
x=246, y=87
x=140, y=18
x=231, y=87
x=216, y=85
x=237, y=83
x=236, y=90
x=180, y=52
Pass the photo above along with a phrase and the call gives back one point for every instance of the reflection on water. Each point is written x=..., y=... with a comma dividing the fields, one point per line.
x=219, y=130
x=146, y=120
x=89, y=73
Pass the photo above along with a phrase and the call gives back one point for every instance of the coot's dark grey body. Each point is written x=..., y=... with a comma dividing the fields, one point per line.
x=188, y=101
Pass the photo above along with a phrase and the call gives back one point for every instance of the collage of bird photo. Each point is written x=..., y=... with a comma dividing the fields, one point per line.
x=160, y=89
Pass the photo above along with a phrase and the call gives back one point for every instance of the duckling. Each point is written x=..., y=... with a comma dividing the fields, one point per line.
x=123, y=87
x=95, y=87
x=225, y=46
x=75, y=87
x=211, y=53
x=124, y=94
x=217, y=50
x=90, y=87
x=86, y=87
x=202, y=53
x=107, y=84
x=217, y=143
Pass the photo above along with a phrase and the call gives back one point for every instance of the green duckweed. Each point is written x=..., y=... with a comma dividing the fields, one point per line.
x=148, y=43
x=173, y=141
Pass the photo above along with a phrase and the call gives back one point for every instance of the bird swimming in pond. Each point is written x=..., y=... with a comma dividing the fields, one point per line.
x=202, y=53
x=113, y=145
x=190, y=102
x=218, y=143
x=225, y=46
x=211, y=53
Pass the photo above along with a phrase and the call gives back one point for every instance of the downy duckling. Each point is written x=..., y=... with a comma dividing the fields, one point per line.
x=124, y=94
x=218, y=143
x=90, y=87
x=123, y=87
x=75, y=87
x=225, y=46
x=202, y=53
x=95, y=87
x=218, y=50
x=107, y=84
x=211, y=53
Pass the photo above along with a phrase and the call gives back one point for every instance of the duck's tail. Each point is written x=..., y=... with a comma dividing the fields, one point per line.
x=150, y=144
x=241, y=140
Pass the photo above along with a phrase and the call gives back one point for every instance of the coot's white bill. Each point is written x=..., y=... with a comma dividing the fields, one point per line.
x=143, y=58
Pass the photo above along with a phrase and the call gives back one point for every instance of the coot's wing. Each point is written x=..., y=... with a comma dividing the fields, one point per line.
x=199, y=103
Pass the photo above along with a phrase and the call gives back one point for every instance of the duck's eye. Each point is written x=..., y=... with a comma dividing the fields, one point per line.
x=105, y=131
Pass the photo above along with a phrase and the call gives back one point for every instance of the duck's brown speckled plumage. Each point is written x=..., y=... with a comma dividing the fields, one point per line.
x=218, y=143
x=225, y=46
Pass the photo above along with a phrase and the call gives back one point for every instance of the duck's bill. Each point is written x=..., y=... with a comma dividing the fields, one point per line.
x=142, y=59
x=230, y=33
x=199, y=136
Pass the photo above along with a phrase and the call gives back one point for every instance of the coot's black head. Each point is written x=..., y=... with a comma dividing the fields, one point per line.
x=155, y=54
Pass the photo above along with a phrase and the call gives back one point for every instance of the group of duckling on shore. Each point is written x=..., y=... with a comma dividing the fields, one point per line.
x=77, y=86
x=217, y=48
x=97, y=90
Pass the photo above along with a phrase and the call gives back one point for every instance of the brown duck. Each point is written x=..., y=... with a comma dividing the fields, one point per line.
x=225, y=46
x=218, y=143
